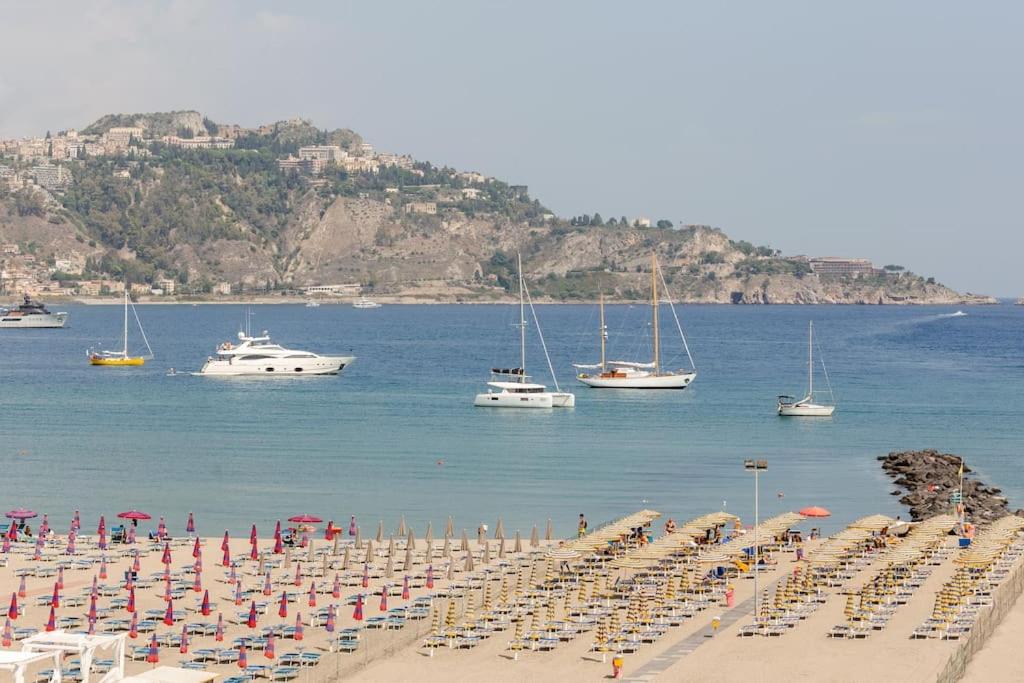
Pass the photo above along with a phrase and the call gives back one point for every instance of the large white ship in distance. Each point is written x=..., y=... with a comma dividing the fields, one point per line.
x=260, y=356
x=31, y=314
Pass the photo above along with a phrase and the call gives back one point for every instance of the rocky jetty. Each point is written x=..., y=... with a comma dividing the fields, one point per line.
x=929, y=479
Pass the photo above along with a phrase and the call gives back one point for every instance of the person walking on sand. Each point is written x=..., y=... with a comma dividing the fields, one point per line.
x=581, y=528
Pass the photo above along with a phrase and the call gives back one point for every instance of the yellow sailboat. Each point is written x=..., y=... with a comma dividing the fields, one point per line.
x=121, y=358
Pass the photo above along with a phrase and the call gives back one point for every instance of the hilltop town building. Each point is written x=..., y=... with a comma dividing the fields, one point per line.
x=835, y=265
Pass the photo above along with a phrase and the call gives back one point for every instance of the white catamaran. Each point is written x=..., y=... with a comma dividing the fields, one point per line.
x=617, y=374
x=806, y=407
x=510, y=387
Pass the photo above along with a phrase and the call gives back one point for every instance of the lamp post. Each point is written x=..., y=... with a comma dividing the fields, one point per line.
x=756, y=466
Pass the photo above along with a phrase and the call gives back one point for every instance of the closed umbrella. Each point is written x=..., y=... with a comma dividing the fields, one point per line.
x=499, y=529
x=429, y=536
x=218, y=633
x=204, y=609
x=449, y=527
x=469, y=562
x=336, y=588
x=133, y=627
x=534, y=541
x=346, y=558
x=410, y=540
x=153, y=653
x=405, y=587
x=380, y=532
x=389, y=568
x=312, y=593
x=549, y=531
x=464, y=546
x=518, y=547
x=357, y=613
x=329, y=626
x=407, y=565
x=384, y=598
x=190, y=525
x=12, y=611
x=282, y=609
x=251, y=621
x=486, y=558
x=430, y=576
x=401, y=526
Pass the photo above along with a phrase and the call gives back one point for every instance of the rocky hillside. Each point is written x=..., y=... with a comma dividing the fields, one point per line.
x=211, y=218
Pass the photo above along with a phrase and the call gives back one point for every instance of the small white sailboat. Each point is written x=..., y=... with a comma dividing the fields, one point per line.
x=806, y=407
x=510, y=387
x=633, y=374
x=121, y=358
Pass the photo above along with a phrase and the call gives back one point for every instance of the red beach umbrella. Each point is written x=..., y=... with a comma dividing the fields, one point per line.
x=251, y=621
x=20, y=513
x=329, y=531
x=405, y=588
x=133, y=629
x=232, y=577
x=312, y=593
x=366, y=575
x=197, y=585
x=336, y=588
x=51, y=623
x=8, y=635
x=60, y=578
x=226, y=560
x=238, y=594
x=298, y=626
x=298, y=574
x=268, y=649
x=102, y=526
x=130, y=607
x=357, y=613
x=183, y=649
x=12, y=611
x=226, y=543
x=55, y=600
x=153, y=656
x=329, y=626
x=92, y=609
x=196, y=551
x=136, y=565
x=95, y=590
x=103, y=567
x=278, y=545
x=166, y=558
x=22, y=591
x=254, y=553
x=133, y=514
x=430, y=576
x=190, y=525
x=71, y=544
x=815, y=511
x=242, y=659
x=267, y=590
x=252, y=534
x=169, y=614
x=277, y=529
x=167, y=590
x=282, y=610
x=218, y=633
x=384, y=599
x=305, y=519
x=204, y=609
x=102, y=543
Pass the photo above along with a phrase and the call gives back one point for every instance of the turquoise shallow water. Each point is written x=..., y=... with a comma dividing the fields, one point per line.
x=367, y=442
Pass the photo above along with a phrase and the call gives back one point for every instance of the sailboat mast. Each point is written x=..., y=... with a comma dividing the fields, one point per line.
x=522, y=322
x=654, y=313
x=810, y=358
x=604, y=333
x=125, y=350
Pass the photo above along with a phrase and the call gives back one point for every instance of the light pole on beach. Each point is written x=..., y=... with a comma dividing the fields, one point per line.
x=756, y=466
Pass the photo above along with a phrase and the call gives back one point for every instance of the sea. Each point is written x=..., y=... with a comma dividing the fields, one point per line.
x=396, y=434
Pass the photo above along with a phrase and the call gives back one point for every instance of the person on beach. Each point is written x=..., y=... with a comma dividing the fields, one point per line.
x=581, y=527
x=670, y=526
x=27, y=530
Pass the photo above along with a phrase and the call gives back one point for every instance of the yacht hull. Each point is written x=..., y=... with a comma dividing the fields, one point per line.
x=508, y=400
x=279, y=367
x=51, y=320
x=117, y=362
x=805, y=410
x=673, y=381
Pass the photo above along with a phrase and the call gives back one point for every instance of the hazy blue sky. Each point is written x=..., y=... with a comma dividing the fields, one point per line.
x=888, y=130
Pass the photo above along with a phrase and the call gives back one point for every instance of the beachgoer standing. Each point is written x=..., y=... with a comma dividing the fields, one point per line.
x=581, y=528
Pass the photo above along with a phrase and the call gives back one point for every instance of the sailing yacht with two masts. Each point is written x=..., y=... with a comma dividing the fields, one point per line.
x=617, y=374
x=121, y=358
x=806, y=407
x=511, y=387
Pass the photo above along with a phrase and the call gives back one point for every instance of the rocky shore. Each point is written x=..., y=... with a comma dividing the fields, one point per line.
x=929, y=479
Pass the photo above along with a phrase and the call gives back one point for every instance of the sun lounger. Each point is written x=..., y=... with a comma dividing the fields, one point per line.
x=283, y=673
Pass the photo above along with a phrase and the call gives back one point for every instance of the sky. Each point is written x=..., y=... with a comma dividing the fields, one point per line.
x=884, y=130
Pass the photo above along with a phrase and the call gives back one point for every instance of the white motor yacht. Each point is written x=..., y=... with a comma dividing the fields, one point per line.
x=261, y=356
x=31, y=314
x=363, y=302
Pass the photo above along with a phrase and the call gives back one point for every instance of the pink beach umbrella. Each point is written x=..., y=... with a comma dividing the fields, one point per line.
x=166, y=558
x=55, y=600
x=357, y=613
x=21, y=514
x=8, y=634
x=238, y=594
x=197, y=585
x=278, y=545
x=103, y=567
x=70, y=550
x=405, y=588
x=167, y=589
x=130, y=607
x=37, y=553
x=254, y=552
x=60, y=578
x=153, y=654
x=92, y=608
x=298, y=574
x=226, y=560
x=243, y=662
x=133, y=628
x=267, y=589
x=190, y=525
x=430, y=576
x=329, y=626
x=196, y=551
x=204, y=609
x=252, y=535
x=183, y=648
x=366, y=575
x=95, y=590
x=169, y=614
x=352, y=526
x=232, y=576
x=102, y=543
x=218, y=634
x=277, y=529
x=312, y=593
x=251, y=621
x=282, y=608
x=226, y=543
x=51, y=623
x=12, y=611
x=298, y=626
x=336, y=588
x=268, y=649
x=22, y=592
x=384, y=598
x=102, y=526
x=136, y=565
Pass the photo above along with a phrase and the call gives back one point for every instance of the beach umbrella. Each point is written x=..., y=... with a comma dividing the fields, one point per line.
x=102, y=526
x=405, y=587
x=102, y=542
x=251, y=621
x=268, y=649
x=169, y=614
x=501, y=549
x=238, y=594
x=288, y=557
x=380, y=531
x=336, y=588
x=226, y=560
x=166, y=557
x=282, y=609
x=55, y=600
x=464, y=544
x=196, y=550
x=60, y=577
x=298, y=574
x=70, y=550
x=130, y=606
x=204, y=607
x=429, y=536
x=252, y=534
x=161, y=528
x=384, y=598
x=92, y=608
x=226, y=542
x=133, y=628
x=357, y=613
x=103, y=567
x=446, y=550
x=12, y=611
x=197, y=584
x=407, y=564
x=153, y=653
x=243, y=662
x=136, y=564
x=51, y=623
x=366, y=574
x=518, y=547
x=410, y=540
x=534, y=540
x=451, y=570
x=401, y=526
x=218, y=633
x=311, y=555
x=449, y=527
x=430, y=576
x=312, y=594
x=346, y=558
x=183, y=647
x=486, y=559
x=389, y=568
x=254, y=553
x=305, y=519
x=20, y=513
x=815, y=511
x=549, y=531
x=277, y=529
x=428, y=554
x=359, y=537
x=278, y=545
x=22, y=591
x=267, y=590
x=352, y=526
x=190, y=525
x=469, y=566
x=336, y=537
x=167, y=588
x=298, y=627
x=499, y=529
x=8, y=634
x=329, y=626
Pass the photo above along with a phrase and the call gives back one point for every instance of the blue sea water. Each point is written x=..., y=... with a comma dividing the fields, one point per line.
x=369, y=442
